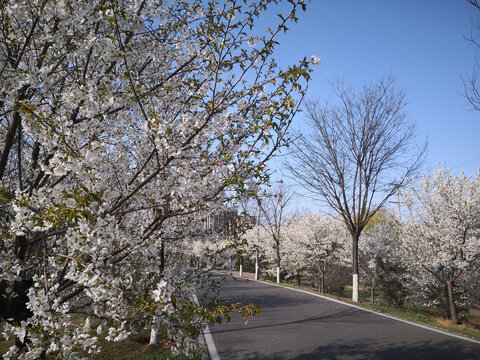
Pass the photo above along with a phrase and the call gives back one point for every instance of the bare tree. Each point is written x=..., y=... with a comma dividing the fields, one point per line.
x=360, y=151
x=472, y=91
x=273, y=210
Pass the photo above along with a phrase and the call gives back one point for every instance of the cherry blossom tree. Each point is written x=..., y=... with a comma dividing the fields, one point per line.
x=124, y=124
x=259, y=242
x=379, y=249
x=274, y=218
x=313, y=243
x=442, y=239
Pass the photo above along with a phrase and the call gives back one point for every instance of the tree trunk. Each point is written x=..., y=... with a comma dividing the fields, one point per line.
x=154, y=336
x=324, y=272
x=256, y=264
x=154, y=333
x=162, y=258
x=278, y=261
x=14, y=294
x=322, y=282
x=299, y=279
x=372, y=294
x=451, y=303
x=355, y=238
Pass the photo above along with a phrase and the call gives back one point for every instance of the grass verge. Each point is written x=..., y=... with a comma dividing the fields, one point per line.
x=136, y=347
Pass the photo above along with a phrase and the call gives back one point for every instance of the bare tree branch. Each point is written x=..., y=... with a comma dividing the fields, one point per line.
x=470, y=84
x=361, y=150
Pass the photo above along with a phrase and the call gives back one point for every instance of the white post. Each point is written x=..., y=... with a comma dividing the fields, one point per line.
x=256, y=264
x=355, y=288
x=258, y=242
x=278, y=274
x=241, y=268
x=154, y=337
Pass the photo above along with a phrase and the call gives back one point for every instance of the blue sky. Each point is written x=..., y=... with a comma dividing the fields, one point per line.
x=421, y=44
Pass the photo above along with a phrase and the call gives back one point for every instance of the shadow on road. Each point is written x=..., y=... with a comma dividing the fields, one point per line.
x=236, y=292
x=368, y=349
x=344, y=317
x=294, y=325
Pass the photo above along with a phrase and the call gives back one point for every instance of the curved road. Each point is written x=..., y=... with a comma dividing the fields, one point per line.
x=296, y=325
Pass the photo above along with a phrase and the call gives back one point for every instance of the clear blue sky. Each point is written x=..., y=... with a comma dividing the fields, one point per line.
x=419, y=43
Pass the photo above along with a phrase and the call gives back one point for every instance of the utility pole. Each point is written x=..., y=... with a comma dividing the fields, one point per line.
x=398, y=203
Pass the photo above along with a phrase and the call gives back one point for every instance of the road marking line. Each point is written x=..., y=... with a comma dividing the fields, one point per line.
x=378, y=313
x=212, y=349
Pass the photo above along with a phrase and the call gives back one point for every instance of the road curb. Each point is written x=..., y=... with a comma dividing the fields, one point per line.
x=206, y=340
x=444, y=332
x=203, y=346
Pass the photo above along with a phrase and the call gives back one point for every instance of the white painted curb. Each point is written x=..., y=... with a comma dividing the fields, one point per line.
x=461, y=337
x=211, y=348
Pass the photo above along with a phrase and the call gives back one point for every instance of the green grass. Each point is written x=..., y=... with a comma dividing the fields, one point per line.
x=363, y=295
x=135, y=347
x=5, y=344
x=421, y=315
x=428, y=317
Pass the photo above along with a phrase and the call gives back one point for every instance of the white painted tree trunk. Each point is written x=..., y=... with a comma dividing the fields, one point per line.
x=278, y=274
x=154, y=337
x=241, y=270
x=355, y=288
x=256, y=264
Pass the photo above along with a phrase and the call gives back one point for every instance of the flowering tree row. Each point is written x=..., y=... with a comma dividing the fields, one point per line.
x=307, y=245
x=431, y=258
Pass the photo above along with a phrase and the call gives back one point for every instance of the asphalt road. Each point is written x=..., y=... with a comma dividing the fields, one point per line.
x=295, y=325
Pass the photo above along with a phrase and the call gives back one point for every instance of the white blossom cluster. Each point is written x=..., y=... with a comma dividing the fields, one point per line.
x=441, y=240
x=310, y=243
x=124, y=124
x=380, y=254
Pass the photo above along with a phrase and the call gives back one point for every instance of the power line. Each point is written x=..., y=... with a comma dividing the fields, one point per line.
x=466, y=163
